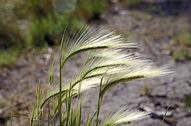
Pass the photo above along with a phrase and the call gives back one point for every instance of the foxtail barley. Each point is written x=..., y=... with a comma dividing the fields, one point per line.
x=106, y=65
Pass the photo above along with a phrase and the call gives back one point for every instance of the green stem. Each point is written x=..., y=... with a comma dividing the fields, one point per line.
x=79, y=105
x=38, y=100
x=60, y=91
x=48, y=114
x=68, y=106
x=99, y=103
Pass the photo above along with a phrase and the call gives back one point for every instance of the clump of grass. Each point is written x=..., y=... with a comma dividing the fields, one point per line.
x=89, y=9
x=184, y=39
x=187, y=100
x=183, y=42
x=7, y=57
x=181, y=55
x=106, y=65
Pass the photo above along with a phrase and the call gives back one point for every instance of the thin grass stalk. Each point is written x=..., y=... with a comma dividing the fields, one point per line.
x=42, y=117
x=60, y=90
x=69, y=105
x=79, y=106
x=37, y=104
x=32, y=116
x=71, y=117
x=79, y=114
x=48, y=108
x=87, y=120
x=50, y=80
x=42, y=110
x=66, y=105
x=99, y=102
x=60, y=82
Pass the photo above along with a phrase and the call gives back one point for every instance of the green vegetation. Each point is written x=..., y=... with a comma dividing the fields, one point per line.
x=103, y=70
x=132, y=3
x=183, y=43
x=181, y=55
x=187, y=100
x=184, y=39
x=8, y=57
x=89, y=9
x=36, y=23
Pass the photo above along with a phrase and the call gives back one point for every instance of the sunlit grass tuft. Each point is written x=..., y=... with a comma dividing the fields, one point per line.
x=107, y=64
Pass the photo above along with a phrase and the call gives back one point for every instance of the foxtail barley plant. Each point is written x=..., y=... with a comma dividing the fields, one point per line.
x=107, y=64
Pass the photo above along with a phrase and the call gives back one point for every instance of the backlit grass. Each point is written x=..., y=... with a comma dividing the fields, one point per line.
x=105, y=66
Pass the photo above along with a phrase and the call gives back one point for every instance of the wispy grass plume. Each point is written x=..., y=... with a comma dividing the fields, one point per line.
x=107, y=63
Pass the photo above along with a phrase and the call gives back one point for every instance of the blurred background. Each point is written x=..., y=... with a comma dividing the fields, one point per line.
x=30, y=30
